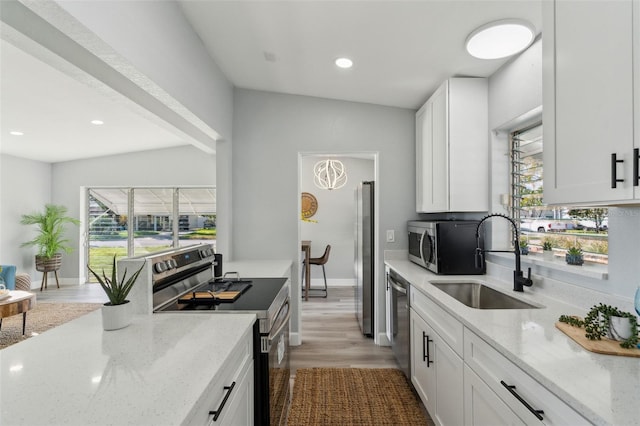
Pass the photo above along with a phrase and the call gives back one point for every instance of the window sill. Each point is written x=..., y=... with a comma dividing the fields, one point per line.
x=551, y=267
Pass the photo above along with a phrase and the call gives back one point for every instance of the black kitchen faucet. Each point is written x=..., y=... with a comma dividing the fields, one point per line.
x=519, y=280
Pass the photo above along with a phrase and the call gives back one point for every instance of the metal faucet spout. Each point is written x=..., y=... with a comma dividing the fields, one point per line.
x=519, y=280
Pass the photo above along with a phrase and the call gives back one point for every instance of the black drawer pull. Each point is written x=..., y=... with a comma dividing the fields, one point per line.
x=511, y=388
x=217, y=413
x=614, y=173
x=425, y=348
x=636, y=171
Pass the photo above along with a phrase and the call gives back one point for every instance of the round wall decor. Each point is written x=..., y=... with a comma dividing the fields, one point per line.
x=309, y=205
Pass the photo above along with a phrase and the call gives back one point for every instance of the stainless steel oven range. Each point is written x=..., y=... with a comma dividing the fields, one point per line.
x=183, y=281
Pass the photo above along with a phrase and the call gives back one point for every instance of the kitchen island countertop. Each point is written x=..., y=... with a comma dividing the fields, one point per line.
x=151, y=372
x=605, y=389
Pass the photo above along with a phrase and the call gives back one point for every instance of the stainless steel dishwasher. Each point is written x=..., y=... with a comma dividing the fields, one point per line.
x=400, y=321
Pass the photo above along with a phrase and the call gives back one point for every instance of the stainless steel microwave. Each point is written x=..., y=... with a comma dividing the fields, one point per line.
x=446, y=247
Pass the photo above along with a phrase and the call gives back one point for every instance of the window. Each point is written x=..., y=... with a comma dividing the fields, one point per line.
x=563, y=227
x=136, y=221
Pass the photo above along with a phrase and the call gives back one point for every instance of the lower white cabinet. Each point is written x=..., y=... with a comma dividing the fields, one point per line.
x=504, y=381
x=436, y=373
x=228, y=399
x=482, y=407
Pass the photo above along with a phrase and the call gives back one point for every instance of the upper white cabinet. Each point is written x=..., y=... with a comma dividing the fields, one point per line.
x=452, y=148
x=590, y=83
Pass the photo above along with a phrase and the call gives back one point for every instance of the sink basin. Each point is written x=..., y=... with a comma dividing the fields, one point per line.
x=479, y=296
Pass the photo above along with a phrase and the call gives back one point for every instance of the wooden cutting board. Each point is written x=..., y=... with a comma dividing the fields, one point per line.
x=604, y=346
x=223, y=295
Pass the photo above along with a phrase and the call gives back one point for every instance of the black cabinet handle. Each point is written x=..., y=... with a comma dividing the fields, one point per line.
x=512, y=390
x=217, y=412
x=425, y=348
x=636, y=172
x=614, y=174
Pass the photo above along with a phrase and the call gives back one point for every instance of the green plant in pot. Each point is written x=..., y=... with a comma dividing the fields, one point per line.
x=547, y=249
x=49, y=239
x=574, y=256
x=524, y=246
x=116, y=313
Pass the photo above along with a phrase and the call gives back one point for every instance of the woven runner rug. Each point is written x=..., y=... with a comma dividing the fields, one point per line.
x=353, y=397
x=43, y=317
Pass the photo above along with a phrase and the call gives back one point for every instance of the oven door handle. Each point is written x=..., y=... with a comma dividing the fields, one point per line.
x=284, y=323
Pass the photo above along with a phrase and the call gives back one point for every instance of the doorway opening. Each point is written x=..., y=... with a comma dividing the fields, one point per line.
x=333, y=221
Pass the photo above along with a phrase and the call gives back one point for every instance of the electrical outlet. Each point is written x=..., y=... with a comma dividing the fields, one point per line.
x=391, y=236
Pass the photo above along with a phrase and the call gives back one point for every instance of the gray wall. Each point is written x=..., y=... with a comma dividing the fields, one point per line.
x=25, y=187
x=335, y=218
x=270, y=130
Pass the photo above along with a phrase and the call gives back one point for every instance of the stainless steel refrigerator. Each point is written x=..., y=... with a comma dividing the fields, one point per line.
x=364, y=256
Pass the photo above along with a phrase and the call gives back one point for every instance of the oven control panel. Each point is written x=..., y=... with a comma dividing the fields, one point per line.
x=171, y=262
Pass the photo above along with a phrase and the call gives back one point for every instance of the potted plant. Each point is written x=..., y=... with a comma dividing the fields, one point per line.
x=50, y=239
x=607, y=321
x=116, y=313
x=547, y=249
x=574, y=256
x=524, y=246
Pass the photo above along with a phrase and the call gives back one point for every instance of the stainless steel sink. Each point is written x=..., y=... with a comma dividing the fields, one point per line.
x=479, y=296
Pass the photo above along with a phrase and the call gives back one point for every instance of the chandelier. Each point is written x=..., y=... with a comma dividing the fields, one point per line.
x=329, y=174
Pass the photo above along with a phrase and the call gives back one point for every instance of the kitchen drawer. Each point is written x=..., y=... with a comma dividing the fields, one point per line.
x=448, y=327
x=493, y=368
x=233, y=370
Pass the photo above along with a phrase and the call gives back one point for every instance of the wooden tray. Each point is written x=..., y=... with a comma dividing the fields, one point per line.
x=604, y=346
x=223, y=296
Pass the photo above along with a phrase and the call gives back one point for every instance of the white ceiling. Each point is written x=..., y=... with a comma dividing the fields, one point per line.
x=54, y=111
x=402, y=50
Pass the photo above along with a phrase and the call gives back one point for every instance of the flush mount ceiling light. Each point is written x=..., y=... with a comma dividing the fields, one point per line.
x=97, y=122
x=500, y=39
x=16, y=133
x=344, y=62
x=329, y=174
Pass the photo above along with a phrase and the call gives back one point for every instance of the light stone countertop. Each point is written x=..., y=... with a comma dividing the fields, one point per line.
x=151, y=372
x=605, y=389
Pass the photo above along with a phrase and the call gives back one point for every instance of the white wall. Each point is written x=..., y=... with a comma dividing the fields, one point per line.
x=167, y=167
x=335, y=218
x=270, y=130
x=25, y=187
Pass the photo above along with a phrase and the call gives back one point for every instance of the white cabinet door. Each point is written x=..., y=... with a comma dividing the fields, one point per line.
x=238, y=409
x=423, y=374
x=452, y=148
x=588, y=100
x=436, y=373
x=482, y=407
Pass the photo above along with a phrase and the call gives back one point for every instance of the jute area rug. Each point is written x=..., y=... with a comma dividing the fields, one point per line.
x=43, y=317
x=353, y=397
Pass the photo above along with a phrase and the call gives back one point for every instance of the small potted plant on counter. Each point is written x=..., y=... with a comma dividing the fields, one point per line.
x=116, y=313
x=547, y=249
x=574, y=256
x=607, y=321
x=524, y=246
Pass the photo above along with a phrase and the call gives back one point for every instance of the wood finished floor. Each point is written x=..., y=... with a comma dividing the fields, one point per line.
x=331, y=336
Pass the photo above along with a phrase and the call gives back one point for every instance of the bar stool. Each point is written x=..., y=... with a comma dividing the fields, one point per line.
x=318, y=261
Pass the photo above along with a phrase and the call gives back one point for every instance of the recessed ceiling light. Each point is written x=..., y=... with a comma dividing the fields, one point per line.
x=344, y=62
x=500, y=39
x=97, y=122
x=16, y=133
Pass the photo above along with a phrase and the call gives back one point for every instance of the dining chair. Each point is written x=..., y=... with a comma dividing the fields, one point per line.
x=321, y=261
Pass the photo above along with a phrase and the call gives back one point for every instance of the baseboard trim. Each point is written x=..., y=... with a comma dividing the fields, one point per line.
x=333, y=282
x=383, y=340
x=294, y=339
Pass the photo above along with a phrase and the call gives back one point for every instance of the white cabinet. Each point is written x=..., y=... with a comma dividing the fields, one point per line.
x=482, y=407
x=452, y=148
x=436, y=369
x=590, y=73
x=507, y=386
x=228, y=399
